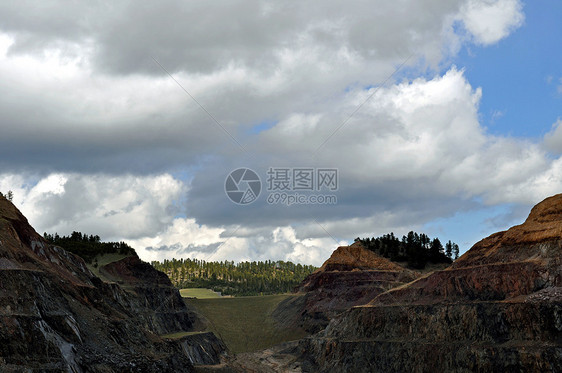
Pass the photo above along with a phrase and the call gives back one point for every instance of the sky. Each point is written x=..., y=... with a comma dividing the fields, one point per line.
x=128, y=120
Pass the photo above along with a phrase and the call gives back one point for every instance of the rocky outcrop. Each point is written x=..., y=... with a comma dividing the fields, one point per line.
x=152, y=299
x=57, y=316
x=356, y=257
x=202, y=348
x=352, y=276
x=497, y=308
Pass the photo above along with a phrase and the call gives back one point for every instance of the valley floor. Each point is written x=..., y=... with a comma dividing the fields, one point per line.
x=246, y=324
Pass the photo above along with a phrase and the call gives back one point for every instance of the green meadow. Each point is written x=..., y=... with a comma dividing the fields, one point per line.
x=198, y=293
x=245, y=324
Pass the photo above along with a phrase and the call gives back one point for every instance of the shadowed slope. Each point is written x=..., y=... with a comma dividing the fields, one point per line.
x=57, y=316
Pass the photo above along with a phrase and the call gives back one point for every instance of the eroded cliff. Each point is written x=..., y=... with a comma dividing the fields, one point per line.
x=497, y=308
x=351, y=276
x=57, y=316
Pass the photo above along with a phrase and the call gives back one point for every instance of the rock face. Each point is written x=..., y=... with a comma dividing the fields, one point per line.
x=152, y=298
x=497, y=308
x=356, y=257
x=57, y=316
x=352, y=276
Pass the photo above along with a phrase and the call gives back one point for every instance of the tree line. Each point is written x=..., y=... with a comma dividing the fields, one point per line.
x=88, y=246
x=241, y=279
x=415, y=249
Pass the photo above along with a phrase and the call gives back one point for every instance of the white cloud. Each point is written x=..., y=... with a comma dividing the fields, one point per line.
x=185, y=238
x=553, y=139
x=141, y=211
x=84, y=104
x=424, y=133
x=258, y=62
x=413, y=146
x=110, y=206
x=489, y=21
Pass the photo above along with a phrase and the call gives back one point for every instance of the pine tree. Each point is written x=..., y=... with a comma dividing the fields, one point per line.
x=449, y=249
x=456, y=251
x=435, y=249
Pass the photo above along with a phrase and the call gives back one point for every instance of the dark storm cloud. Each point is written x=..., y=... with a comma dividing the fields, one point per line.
x=356, y=199
x=49, y=142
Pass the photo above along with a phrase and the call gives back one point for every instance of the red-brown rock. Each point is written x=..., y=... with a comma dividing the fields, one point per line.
x=497, y=308
x=352, y=276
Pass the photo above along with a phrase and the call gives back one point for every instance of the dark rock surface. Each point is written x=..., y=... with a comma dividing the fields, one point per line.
x=57, y=316
x=498, y=308
x=202, y=348
x=152, y=298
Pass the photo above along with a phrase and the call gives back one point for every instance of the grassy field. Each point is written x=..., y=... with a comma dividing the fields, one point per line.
x=198, y=293
x=245, y=324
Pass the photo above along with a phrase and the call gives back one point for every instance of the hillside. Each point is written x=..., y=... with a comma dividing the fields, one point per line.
x=88, y=247
x=351, y=276
x=348, y=258
x=57, y=316
x=498, y=308
x=240, y=279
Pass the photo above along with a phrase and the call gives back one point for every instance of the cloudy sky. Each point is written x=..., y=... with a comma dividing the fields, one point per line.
x=125, y=118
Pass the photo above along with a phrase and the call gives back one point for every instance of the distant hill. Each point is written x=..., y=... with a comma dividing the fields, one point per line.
x=241, y=279
x=356, y=274
x=351, y=276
